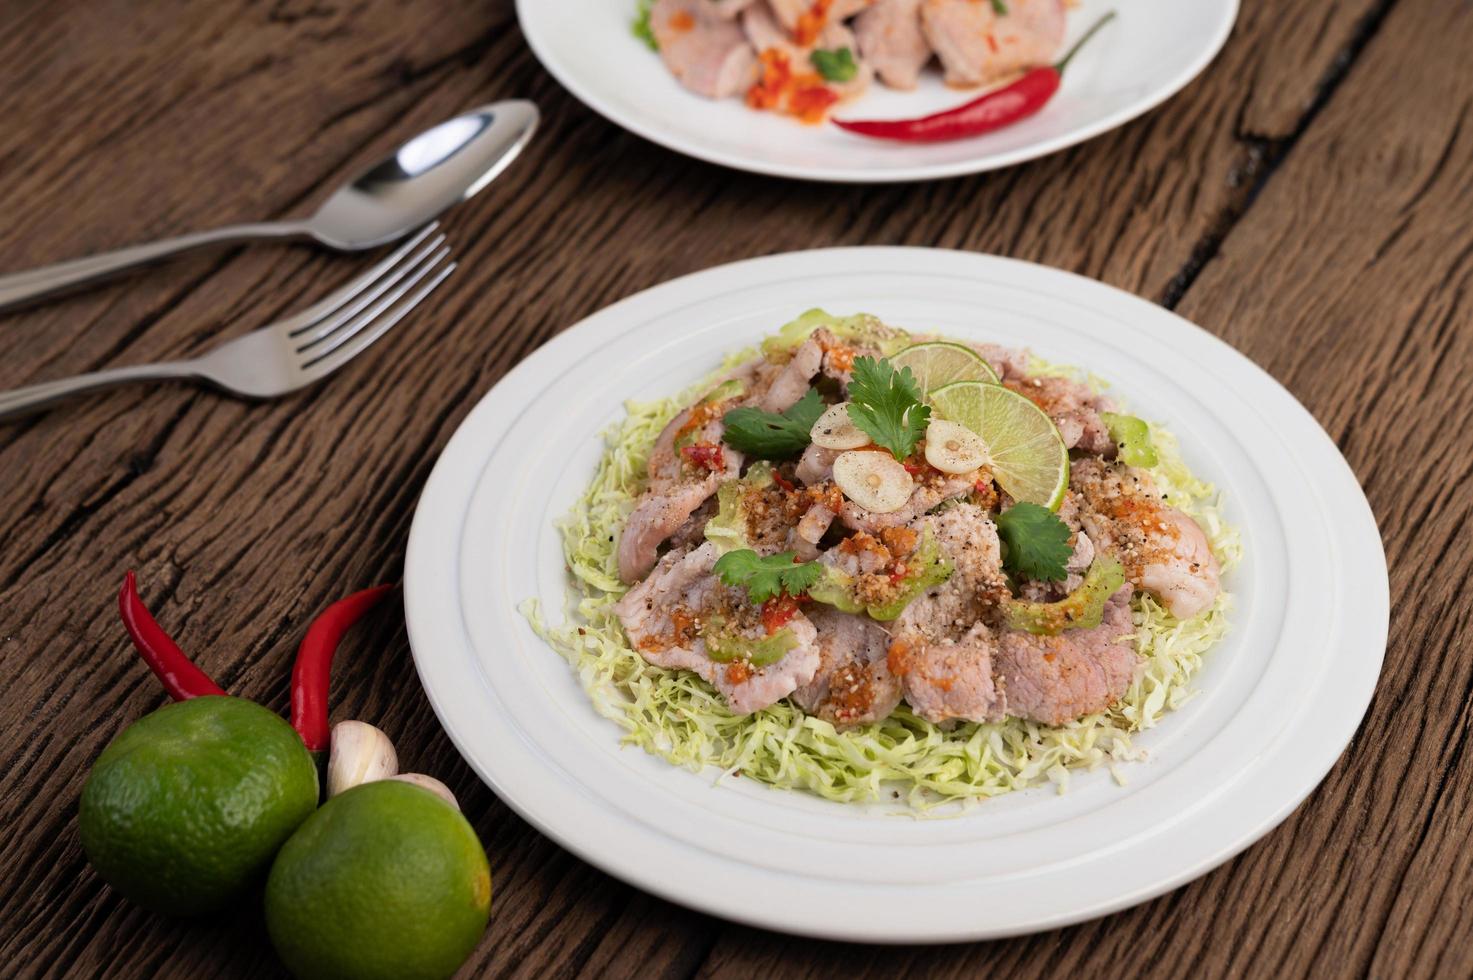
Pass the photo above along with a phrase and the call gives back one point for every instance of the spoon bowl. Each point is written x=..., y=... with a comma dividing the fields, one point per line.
x=438, y=168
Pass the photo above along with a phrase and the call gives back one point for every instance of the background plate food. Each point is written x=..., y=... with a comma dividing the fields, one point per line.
x=1280, y=697
x=1152, y=49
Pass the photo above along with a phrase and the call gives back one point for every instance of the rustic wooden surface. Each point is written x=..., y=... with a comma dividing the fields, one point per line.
x=1307, y=200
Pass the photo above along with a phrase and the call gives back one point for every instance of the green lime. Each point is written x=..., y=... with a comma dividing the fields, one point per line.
x=186, y=808
x=1025, y=452
x=386, y=880
x=941, y=362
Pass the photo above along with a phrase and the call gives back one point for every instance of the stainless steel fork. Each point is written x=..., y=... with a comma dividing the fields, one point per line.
x=291, y=353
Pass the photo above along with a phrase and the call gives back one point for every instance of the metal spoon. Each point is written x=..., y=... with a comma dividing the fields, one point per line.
x=396, y=196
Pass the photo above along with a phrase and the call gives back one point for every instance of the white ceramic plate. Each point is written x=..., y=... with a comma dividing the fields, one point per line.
x=1280, y=697
x=1151, y=50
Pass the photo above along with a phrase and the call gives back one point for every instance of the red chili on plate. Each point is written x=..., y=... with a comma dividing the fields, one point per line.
x=994, y=110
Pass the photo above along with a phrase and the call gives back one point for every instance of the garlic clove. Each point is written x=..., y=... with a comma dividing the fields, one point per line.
x=873, y=480
x=953, y=448
x=427, y=782
x=836, y=430
x=360, y=754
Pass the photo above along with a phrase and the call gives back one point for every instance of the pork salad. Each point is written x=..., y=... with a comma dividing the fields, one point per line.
x=864, y=562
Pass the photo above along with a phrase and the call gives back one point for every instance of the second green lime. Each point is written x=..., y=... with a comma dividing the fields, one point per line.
x=386, y=880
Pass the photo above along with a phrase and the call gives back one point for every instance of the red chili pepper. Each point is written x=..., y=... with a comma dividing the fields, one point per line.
x=706, y=454
x=994, y=110
x=313, y=667
x=783, y=482
x=778, y=612
x=180, y=677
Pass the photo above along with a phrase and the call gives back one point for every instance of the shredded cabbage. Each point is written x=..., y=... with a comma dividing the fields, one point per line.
x=676, y=715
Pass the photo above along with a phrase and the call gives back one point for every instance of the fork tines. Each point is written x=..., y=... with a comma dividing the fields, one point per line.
x=340, y=327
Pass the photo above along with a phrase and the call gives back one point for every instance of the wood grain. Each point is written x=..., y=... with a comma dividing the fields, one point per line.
x=1305, y=199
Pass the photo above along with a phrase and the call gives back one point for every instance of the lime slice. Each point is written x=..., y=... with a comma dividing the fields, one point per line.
x=940, y=362
x=1025, y=451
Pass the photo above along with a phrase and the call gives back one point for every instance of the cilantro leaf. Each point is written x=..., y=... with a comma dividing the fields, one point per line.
x=886, y=405
x=1000, y=8
x=767, y=578
x=769, y=435
x=1037, y=542
x=837, y=65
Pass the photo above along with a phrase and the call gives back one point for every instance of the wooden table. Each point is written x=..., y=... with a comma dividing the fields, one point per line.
x=1308, y=200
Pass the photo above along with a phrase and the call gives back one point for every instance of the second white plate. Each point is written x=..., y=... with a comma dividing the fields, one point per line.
x=1152, y=49
x=1279, y=698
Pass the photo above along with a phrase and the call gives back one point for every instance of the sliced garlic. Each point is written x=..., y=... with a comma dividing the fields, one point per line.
x=428, y=782
x=836, y=430
x=953, y=448
x=360, y=754
x=873, y=480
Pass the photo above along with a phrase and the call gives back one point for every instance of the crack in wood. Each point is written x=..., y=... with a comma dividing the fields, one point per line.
x=138, y=464
x=1266, y=154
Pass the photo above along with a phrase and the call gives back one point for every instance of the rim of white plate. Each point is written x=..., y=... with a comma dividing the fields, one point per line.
x=538, y=22
x=1286, y=693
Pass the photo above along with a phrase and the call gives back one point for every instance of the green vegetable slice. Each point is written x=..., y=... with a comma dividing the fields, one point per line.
x=730, y=388
x=728, y=529
x=1081, y=609
x=836, y=589
x=925, y=569
x=724, y=647
x=1132, y=437
x=861, y=329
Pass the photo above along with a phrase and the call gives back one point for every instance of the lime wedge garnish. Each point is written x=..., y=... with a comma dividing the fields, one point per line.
x=940, y=362
x=1026, y=454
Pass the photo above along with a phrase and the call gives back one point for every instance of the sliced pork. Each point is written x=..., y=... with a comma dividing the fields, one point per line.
x=1075, y=410
x=891, y=39
x=806, y=15
x=657, y=516
x=1164, y=551
x=1010, y=363
x=666, y=615
x=968, y=539
x=979, y=46
x=853, y=685
x=704, y=49
x=1055, y=679
x=791, y=381
x=811, y=528
x=816, y=465
x=676, y=490
x=951, y=679
x=766, y=32
x=727, y=9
